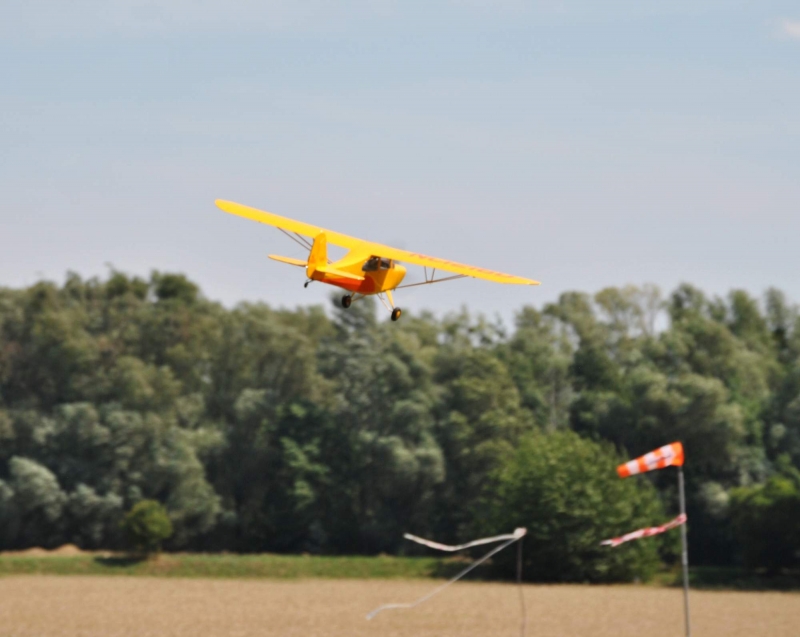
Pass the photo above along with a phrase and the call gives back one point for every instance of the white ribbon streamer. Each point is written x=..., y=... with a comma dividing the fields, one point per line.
x=517, y=534
x=510, y=539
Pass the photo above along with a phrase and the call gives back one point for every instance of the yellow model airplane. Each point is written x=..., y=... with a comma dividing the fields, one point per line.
x=367, y=268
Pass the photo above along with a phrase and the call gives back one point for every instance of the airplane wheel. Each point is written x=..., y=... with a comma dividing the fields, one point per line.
x=396, y=312
x=347, y=300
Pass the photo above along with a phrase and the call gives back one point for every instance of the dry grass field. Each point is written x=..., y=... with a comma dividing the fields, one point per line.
x=52, y=606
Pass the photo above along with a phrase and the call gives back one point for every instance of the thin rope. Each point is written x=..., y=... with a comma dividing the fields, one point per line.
x=452, y=580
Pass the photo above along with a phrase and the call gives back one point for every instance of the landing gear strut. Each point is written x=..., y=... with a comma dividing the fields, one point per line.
x=396, y=312
x=346, y=300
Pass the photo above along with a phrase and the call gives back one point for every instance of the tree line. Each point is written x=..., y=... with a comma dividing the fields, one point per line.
x=263, y=429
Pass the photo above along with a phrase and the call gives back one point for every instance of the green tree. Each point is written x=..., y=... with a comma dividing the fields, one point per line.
x=147, y=525
x=766, y=520
x=379, y=440
x=479, y=422
x=35, y=508
x=538, y=357
x=564, y=489
x=286, y=430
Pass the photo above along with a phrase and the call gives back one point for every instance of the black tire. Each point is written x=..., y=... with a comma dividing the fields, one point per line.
x=346, y=300
x=396, y=312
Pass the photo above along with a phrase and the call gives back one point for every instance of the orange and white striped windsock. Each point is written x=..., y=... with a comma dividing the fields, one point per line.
x=665, y=456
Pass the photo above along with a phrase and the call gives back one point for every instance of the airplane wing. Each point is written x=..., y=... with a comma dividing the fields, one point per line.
x=449, y=266
x=306, y=229
x=368, y=248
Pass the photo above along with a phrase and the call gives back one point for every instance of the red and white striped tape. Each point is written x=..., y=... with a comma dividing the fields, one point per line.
x=647, y=532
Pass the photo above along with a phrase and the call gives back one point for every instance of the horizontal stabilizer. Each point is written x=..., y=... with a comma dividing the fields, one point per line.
x=288, y=260
x=326, y=269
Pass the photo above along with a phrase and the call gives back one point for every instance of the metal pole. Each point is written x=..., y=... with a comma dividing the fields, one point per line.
x=524, y=623
x=684, y=553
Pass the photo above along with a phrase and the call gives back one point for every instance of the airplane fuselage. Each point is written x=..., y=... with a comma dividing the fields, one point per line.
x=374, y=281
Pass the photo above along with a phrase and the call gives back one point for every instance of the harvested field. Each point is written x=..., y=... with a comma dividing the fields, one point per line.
x=51, y=606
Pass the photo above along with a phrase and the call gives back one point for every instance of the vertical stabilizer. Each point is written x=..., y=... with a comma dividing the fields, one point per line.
x=318, y=254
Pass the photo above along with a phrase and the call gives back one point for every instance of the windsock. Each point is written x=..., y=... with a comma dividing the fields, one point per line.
x=665, y=456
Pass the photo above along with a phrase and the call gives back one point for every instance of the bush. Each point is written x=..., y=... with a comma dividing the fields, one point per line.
x=146, y=525
x=564, y=489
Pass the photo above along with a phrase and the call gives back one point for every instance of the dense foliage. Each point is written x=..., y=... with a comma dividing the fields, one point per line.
x=767, y=519
x=564, y=489
x=146, y=526
x=276, y=430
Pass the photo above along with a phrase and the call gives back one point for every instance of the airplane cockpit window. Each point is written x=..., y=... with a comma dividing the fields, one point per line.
x=376, y=263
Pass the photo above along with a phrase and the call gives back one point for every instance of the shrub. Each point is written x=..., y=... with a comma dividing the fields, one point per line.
x=147, y=525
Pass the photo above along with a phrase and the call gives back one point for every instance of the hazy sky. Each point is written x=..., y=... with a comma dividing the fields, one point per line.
x=584, y=144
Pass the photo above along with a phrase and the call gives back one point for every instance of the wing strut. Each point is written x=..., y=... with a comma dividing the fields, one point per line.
x=432, y=281
x=298, y=240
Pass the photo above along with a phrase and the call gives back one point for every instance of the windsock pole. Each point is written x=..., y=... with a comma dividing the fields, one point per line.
x=684, y=553
x=667, y=456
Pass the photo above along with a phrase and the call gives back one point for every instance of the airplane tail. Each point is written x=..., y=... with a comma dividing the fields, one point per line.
x=318, y=255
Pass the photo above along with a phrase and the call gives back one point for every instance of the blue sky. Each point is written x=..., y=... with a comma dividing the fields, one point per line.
x=583, y=144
